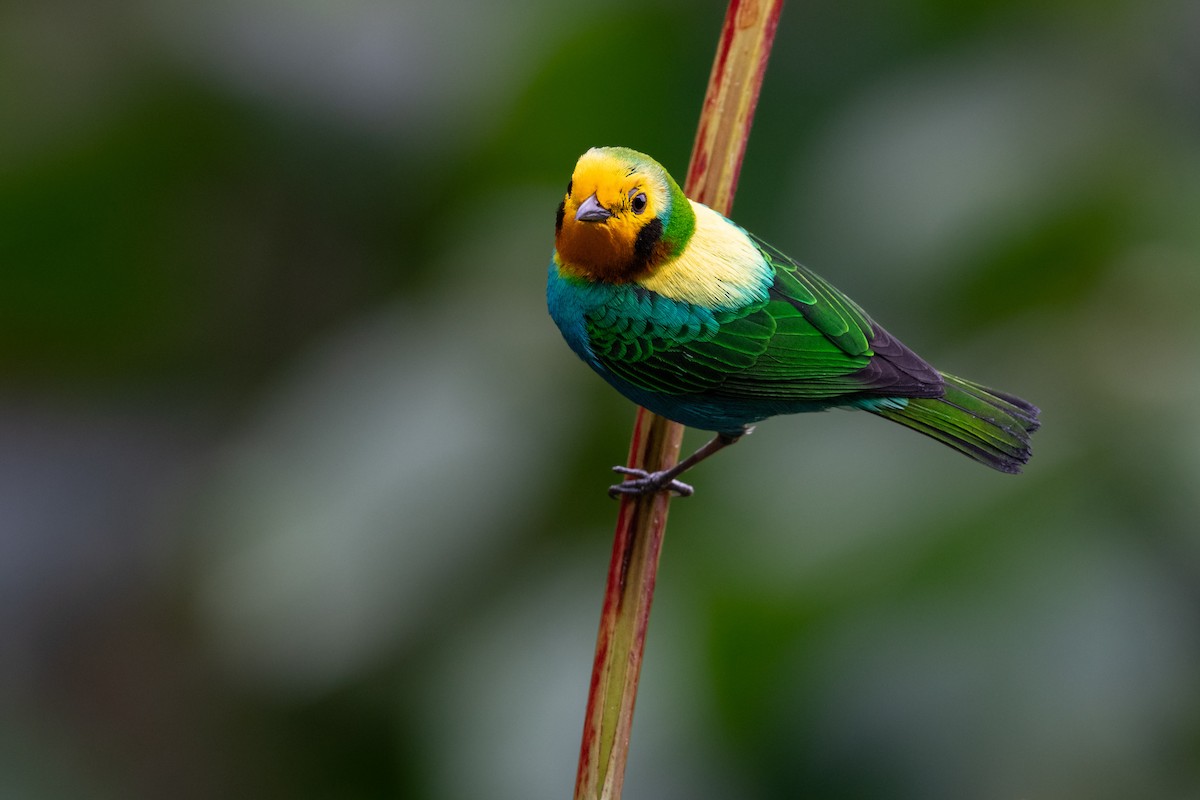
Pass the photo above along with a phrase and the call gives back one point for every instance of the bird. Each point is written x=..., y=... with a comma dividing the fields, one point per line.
x=689, y=315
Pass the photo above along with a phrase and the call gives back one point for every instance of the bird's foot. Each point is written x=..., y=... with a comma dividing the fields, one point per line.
x=648, y=483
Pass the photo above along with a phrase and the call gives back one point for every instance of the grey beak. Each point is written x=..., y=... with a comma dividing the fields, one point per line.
x=590, y=210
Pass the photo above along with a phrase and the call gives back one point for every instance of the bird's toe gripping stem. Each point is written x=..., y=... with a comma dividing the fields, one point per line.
x=648, y=483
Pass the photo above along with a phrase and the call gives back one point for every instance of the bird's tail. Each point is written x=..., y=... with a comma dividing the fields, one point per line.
x=990, y=427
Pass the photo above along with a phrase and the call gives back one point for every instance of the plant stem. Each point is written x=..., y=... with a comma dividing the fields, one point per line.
x=733, y=87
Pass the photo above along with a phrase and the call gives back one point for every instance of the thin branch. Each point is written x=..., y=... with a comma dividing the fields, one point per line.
x=733, y=88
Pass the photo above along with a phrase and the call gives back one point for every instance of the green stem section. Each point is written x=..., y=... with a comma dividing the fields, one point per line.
x=728, y=111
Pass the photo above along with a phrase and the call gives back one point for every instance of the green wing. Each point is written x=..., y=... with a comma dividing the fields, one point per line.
x=805, y=341
x=670, y=347
x=830, y=312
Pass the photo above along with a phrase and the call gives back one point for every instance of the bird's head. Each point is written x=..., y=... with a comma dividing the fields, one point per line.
x=622, y=217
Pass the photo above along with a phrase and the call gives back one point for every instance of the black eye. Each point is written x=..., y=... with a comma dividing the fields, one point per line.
x=570, y=183
x=639, y=203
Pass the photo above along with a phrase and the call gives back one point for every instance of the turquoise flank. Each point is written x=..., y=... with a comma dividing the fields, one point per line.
x=640, y=316
x=648, y=323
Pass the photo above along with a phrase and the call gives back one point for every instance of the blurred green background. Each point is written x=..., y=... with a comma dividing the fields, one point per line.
x=301, y=494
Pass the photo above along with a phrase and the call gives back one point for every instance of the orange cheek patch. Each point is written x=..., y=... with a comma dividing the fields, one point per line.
x=594, y=250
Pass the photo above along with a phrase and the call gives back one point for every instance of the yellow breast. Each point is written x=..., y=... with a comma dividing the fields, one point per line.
x=720, y=266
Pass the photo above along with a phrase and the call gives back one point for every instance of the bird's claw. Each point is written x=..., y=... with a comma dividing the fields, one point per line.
x=647, y=483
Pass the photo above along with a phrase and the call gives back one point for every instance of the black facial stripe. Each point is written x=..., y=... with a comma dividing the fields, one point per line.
x=558, y=219
x=648, y=237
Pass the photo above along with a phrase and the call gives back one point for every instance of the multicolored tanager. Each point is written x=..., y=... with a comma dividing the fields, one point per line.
x=690, y=316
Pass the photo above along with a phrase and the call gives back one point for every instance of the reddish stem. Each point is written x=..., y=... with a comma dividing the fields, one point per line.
x=728, y=111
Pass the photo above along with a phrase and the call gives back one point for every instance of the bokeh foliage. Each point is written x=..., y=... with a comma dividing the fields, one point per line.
x=302, y=496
